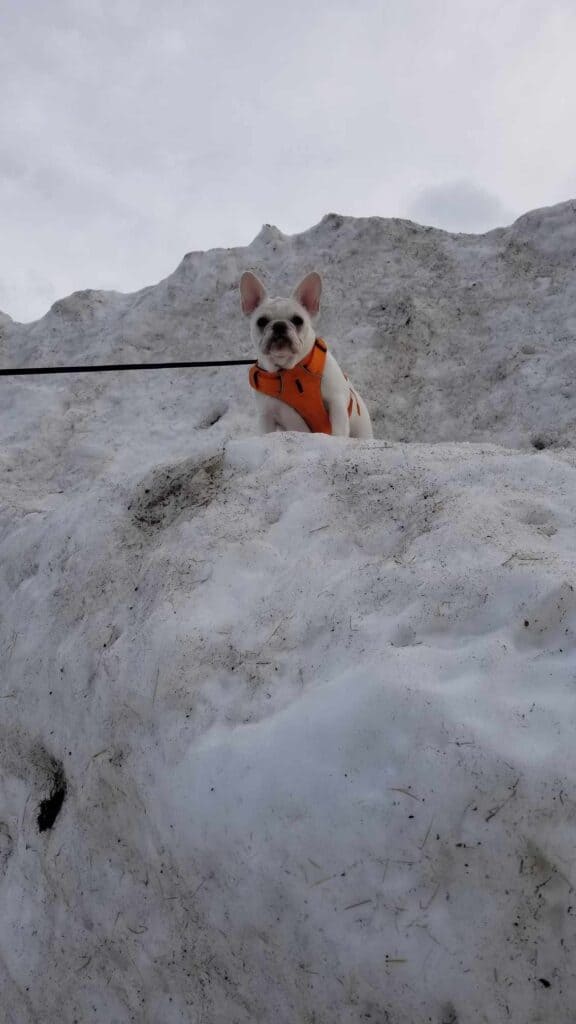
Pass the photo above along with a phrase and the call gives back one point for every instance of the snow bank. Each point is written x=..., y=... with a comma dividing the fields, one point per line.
x=286, y=723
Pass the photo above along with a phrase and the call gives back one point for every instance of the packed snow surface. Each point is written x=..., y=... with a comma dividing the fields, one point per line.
x=287, y=722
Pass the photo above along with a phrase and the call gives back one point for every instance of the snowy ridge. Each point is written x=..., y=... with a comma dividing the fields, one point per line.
x=286, y=723
x=451, y=337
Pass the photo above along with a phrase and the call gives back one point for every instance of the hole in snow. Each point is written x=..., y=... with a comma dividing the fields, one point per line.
x=449, y=1015
x=213, y=417
x=50, y=807
x=6, y=847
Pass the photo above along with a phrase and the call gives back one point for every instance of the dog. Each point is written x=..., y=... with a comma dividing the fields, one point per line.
x=298, y=383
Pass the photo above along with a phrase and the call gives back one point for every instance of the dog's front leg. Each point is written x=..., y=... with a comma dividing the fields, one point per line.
x=339, y=419
x=267, y=421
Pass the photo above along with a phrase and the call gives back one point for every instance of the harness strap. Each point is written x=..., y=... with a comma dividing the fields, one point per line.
x=273, y=384
x=300, y=387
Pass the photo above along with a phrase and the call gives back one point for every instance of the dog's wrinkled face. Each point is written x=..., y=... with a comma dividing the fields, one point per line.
x=281, y=328
x=282, y=331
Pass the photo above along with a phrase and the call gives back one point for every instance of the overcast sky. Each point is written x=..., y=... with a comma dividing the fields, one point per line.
x=132, y=131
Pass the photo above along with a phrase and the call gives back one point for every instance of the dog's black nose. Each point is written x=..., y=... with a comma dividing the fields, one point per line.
x=279, y=328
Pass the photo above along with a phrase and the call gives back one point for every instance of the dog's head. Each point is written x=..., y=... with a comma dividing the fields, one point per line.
x=281, y=328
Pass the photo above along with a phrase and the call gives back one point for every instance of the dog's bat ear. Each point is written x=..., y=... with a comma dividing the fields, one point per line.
x=252, y=292
x=308, y=292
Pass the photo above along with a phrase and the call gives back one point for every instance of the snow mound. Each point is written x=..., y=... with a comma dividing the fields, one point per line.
x=449, y=337
x=287, y=723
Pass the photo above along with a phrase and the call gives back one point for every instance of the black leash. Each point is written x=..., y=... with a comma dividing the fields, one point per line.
x=109, y=367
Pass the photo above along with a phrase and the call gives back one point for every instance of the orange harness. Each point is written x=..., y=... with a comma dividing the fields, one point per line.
x=300, y=387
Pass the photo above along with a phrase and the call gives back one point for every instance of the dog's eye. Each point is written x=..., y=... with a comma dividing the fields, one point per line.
x=262, y=322
x=297, y=321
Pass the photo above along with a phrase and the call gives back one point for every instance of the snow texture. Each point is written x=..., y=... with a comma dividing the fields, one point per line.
x=287, y=723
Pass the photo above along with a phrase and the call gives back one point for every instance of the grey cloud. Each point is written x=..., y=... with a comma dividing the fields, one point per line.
x=459, y=206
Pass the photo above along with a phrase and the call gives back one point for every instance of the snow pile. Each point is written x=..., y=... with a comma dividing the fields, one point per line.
x=449, y=337
x=287, y=722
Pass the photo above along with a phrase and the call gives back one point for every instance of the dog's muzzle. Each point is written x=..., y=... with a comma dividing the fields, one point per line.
x=279, y=337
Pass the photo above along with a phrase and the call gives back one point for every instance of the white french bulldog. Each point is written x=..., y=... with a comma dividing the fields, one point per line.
x=298, y=383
